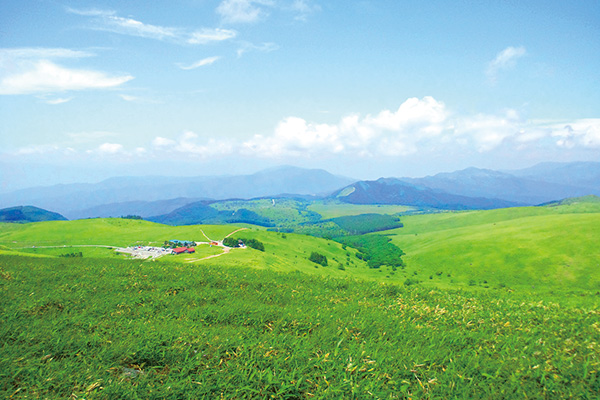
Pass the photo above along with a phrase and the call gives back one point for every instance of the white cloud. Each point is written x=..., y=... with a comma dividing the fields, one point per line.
x=129, y=26
x=162, y=142
x=207, y=35
x=127, y=97
x=236, y=11
x=8, y=55
x=92, y=12
x=32, y=70
x=59, y=100
x=248, y=11
x=583, y=132
x=38, y=149
x=189, y=143
x=489, y=131
x=110, y=22
x=504, y=60
x=390, y=133
x=200, y=63
x=418, y=128
x=44, y=76
x=110, y=148
x=426, y=116
x=304, y=8
x=264, y=47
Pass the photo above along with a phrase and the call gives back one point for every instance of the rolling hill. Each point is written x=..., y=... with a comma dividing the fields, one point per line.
x=529, y=247
x=23, y=214
x=97, y=238
x=202, y=213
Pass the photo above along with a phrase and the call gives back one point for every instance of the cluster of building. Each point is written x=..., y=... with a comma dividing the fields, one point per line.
x=180, y=250
x=170, y=247
x=181, y=246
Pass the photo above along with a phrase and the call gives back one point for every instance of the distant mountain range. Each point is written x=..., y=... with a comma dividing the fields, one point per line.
x=23, y=214
x=535, y=185
x=162, y=198
x=395, y=191
x=138, y=195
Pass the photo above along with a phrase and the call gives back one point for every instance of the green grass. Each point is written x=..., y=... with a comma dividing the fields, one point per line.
x=284, y=252
x=104, y=231
x=529, y=247
x=107, y=329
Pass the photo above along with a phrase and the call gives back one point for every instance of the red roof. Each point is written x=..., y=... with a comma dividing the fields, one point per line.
x=191, y=250
x=179, y=250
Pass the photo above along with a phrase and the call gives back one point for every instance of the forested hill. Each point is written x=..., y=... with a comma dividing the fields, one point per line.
x=24, y=214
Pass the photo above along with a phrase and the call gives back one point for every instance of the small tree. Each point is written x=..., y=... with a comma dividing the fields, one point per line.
x=318, y=258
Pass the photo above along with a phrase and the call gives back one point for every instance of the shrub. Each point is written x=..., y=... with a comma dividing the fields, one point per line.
x=231, y=242
x=255, y=244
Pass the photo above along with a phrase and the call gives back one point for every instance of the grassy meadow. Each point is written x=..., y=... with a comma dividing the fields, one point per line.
x=531, y=248
x=106, y=329
x=497, y=304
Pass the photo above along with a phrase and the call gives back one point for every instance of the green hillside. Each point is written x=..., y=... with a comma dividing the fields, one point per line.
x=104, y=231
x=532, y=247
x=115, y=329
x=283, y=252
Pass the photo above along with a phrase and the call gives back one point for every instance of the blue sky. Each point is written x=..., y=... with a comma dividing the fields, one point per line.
x=93, y=89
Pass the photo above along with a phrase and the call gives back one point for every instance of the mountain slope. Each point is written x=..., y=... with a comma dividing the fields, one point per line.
x=144, y=209
x=24, y=214
x=202, y=213
x=395, y=191
x=475, y=182
x=579, y=174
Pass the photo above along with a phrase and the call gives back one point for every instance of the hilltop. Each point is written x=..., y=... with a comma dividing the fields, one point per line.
x=23, y=214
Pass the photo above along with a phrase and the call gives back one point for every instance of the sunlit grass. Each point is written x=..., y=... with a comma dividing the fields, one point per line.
x=105, y=329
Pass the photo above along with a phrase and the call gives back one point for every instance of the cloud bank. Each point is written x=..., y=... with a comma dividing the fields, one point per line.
x=418, y=127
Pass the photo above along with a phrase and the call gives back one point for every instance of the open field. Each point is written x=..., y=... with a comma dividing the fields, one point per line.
x=105, y=329
x=528, y=247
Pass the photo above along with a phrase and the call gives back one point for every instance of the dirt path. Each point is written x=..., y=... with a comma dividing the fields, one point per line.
x=207, y=238
x=67, y=246
x=225, y=251
x=241, y=229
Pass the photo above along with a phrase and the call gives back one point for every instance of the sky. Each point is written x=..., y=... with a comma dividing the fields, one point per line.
x=361, y=88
